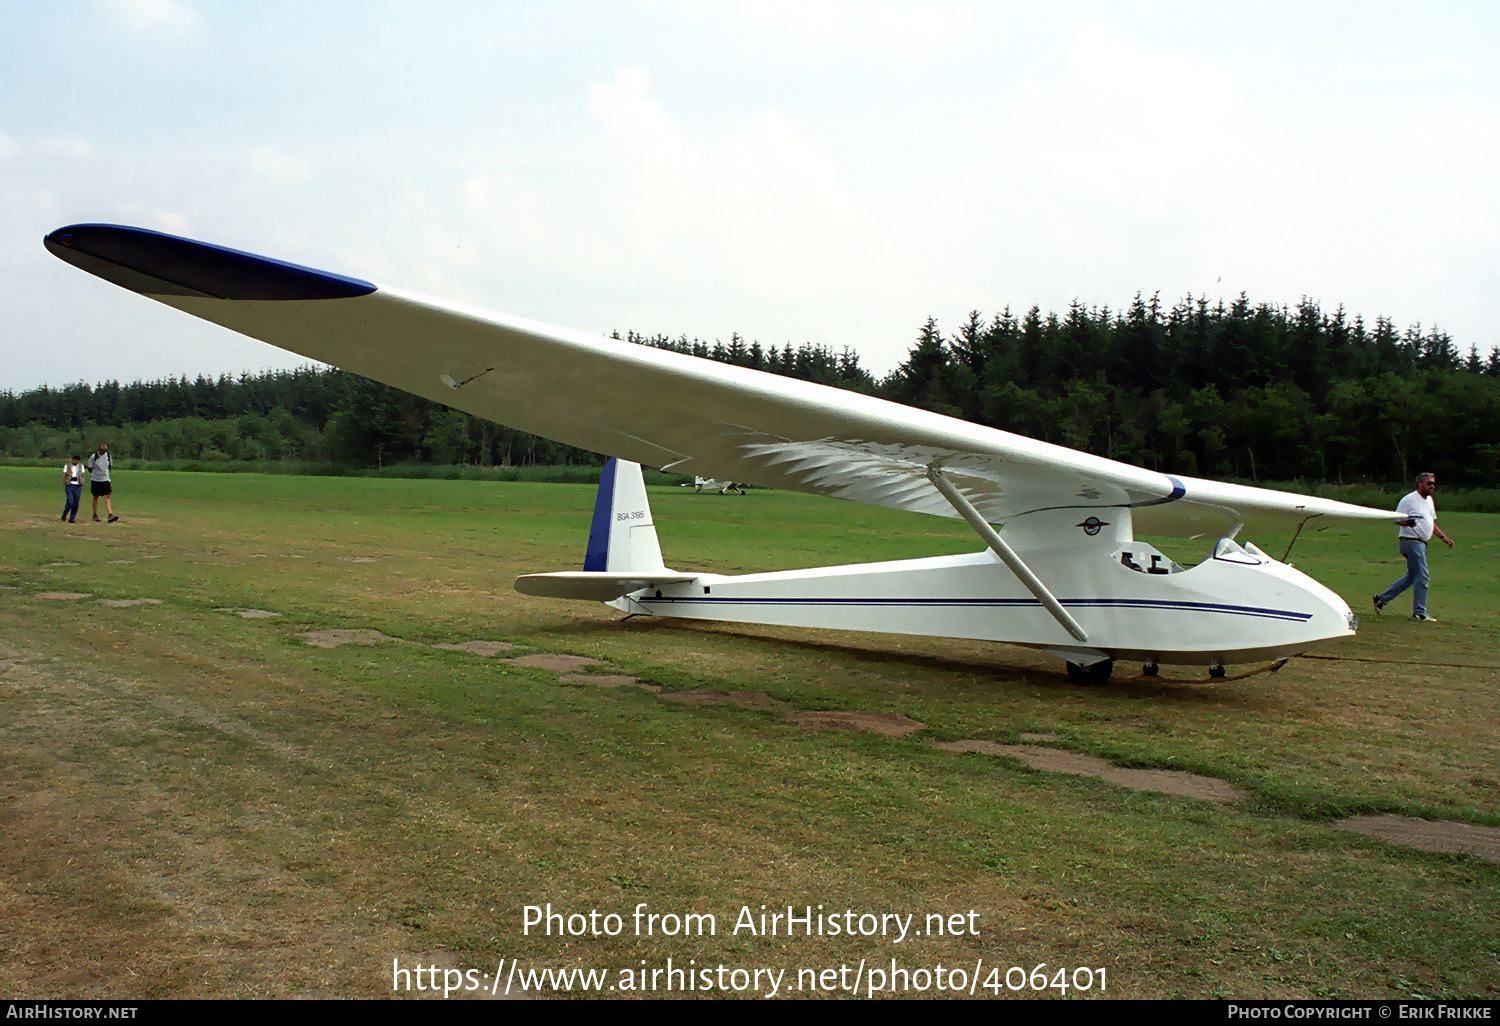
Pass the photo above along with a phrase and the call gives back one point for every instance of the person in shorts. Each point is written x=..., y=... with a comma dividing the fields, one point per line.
x=99, y=465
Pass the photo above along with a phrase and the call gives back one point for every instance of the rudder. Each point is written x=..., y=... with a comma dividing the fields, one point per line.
x=622, y=536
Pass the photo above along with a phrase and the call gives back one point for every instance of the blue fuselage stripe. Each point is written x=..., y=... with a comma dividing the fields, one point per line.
x=981, y=603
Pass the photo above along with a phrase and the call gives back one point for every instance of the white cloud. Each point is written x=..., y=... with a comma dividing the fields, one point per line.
x=892, y=31
x=155, y=16
x=760, y=205
x=1091, y=182
x=150, y=217
x=45, y=148
x=907, y=32
x=33, y=172
x=1128, y=126
x=807, y=180
x=66, y=147
x=269, y=163
x=27, y=212
x=1138, y=168
x=645, y=220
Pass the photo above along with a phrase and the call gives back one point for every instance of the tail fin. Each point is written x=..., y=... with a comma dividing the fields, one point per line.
x=623, y=555
x=622, y=538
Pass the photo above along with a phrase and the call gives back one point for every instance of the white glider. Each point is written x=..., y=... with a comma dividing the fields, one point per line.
x=1064, y=572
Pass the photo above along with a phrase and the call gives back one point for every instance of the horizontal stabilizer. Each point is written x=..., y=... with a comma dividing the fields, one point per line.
x=598, y=586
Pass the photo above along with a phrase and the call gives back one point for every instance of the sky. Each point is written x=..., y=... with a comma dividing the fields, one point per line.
x=831, y=172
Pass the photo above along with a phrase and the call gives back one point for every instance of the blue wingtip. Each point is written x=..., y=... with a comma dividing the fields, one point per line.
x=156, y=264
x=597, y=556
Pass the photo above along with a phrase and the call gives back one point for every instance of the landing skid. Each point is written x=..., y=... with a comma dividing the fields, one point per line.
x=1213, y=678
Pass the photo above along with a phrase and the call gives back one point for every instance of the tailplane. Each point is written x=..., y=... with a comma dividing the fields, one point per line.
x=623, y=554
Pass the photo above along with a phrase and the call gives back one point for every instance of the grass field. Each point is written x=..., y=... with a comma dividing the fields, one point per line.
x=198, y=804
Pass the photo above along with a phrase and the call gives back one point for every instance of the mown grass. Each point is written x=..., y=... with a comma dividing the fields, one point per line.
x=198, y=804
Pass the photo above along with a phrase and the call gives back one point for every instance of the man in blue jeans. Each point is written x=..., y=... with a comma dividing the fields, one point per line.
x=72, y=489
x=1416, y=530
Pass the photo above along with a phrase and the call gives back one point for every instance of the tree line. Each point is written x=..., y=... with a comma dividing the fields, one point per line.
x=1253, y=391
x=1221, y=390
x=322, y=414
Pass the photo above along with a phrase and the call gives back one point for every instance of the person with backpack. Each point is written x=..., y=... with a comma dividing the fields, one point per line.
x=99, y=465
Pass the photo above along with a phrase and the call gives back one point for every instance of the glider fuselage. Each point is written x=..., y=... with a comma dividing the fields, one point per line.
x=1123, y=597
x=1180, y=618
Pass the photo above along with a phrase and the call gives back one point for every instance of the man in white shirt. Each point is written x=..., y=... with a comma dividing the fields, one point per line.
x=72, y=489
x=1416, y=530
x=99, y=465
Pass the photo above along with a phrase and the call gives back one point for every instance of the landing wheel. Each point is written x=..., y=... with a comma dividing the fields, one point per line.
x=1216, y=671
x=1150, y=670
x=1098, y=673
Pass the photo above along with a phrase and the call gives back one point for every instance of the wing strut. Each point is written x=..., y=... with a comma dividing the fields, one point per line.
x=1005, y=552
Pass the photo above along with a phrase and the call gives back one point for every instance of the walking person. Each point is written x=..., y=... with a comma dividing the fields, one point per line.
x=1416, y=530
x=99, y=465
x=72, y=488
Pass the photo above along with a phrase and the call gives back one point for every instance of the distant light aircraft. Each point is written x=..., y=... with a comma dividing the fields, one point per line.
x=714, y=485
x=1064, y=572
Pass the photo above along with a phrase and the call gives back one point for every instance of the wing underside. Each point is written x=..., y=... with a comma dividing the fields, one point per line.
x=662, y=409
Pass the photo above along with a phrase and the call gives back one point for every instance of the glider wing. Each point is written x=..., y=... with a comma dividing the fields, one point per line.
x=688, y=415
